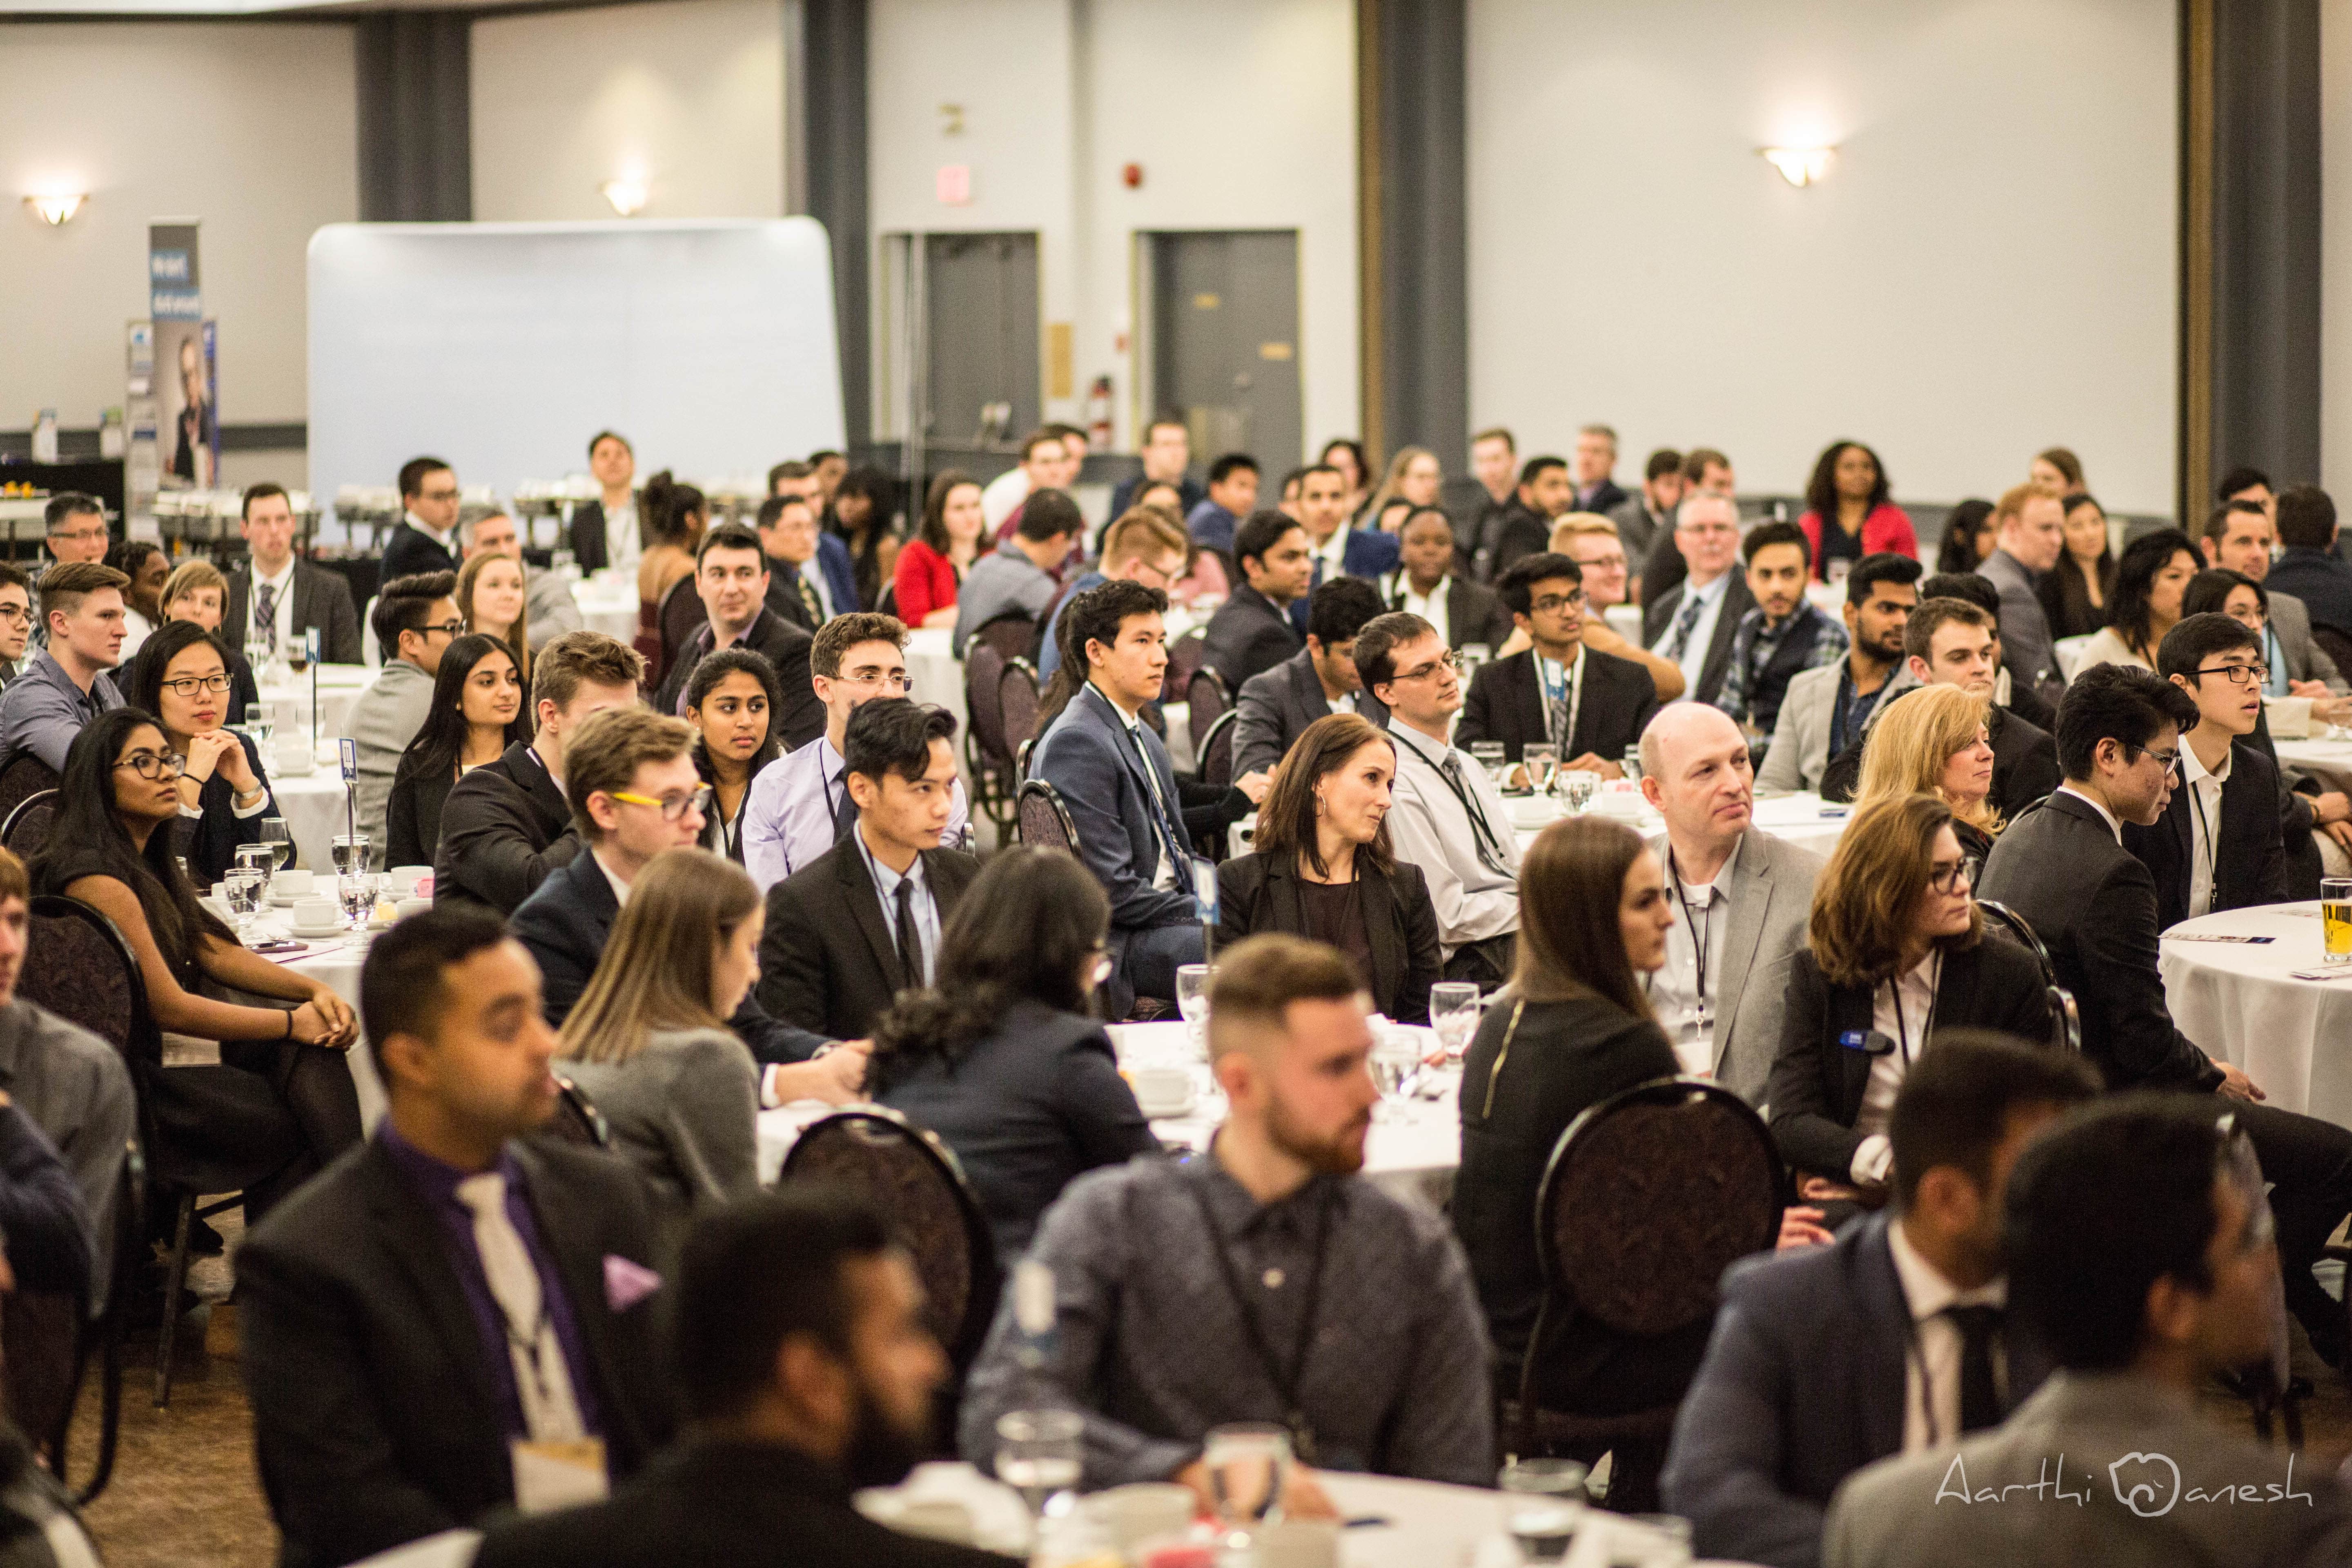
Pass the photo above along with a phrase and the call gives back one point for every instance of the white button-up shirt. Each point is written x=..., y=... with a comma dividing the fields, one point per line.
x=1931, y=1379
x=622, y=548
x=1900, y=1010
x=921, y=905
x=786, y=820
x=1432, y=831
x=1429, y=607
x=2204, y=824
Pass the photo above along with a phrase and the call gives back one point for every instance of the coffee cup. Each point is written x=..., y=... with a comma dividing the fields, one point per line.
x=1163, y=1091
x=405, y=878
x=291, y=883
x=315, y=914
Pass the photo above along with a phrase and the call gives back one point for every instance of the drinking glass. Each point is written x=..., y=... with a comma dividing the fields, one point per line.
x=1543, y=1501
x=261, y=723
x=258, y=858
x=279, y=838
x=1192, y=1002
x=357, y=892
x=242, y=886
x=1454, y=1012
x=1249, y=1470
x=298, y=653
x=1037, y=1454
x=1542, y=759
x=350, y=853
x=2336, y=919
x=1665, y=1542
x=1489, y=754
x=1396, y=1058
x=1579, y=787
x=258, y=655
x=1633, y=763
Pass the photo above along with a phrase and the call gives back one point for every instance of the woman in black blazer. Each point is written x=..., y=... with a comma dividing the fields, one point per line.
x=478, y=713
x=183, y=681
x=999, y=1056
x=1897, y=958
x=1323, y=867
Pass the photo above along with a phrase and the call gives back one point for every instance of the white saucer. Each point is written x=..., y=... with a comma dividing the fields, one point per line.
x=315, y=933
x=1164, y=1112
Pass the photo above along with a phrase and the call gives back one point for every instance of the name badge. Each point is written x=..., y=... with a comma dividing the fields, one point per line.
x=552, y=1476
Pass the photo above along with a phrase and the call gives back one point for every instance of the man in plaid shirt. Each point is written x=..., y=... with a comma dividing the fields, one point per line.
x=1782, y=636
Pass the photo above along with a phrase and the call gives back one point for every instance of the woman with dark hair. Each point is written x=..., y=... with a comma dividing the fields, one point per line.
x=478, y=711
x=674, y=516
x=185, y=681
x=121, y=785
x=1002, y=1056
x=1897, y=957
x=2073, y=593
x=2218, y=591
x=1323, y=867
x=1969, y=537
x=731, y=701
x=1848, y=514
x=932, y=567
x=2146, y=601
x=860, y=514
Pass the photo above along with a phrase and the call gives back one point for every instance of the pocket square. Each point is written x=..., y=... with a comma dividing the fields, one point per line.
x=627, y=1283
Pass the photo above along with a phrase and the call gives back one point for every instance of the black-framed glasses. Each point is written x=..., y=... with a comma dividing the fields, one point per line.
x=1552, y=603
x=1951, y=878
x=446, y=628
x=189, y=684
x=2238, y=674
x=671, y=806
x=1443, y=661
x=149, y=765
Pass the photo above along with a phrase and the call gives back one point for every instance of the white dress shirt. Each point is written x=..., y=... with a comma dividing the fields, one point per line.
x=1900, y=1009
x=1931, y=1377
x=786, y=820
x=136, y=630
x=622, y=548
x=280, y=635
x=1430, y=606
x=2204, y=824
x=1331, y=554
x=1702, y=632
x=1683, y=993
x=1431, y=830
x=620, y=888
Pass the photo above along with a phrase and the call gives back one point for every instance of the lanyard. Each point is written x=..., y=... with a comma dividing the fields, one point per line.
x=1286, y=1379
x=1698, y=924
x=1490, y=852
x=2212, y=849
x=1903, y=1029
x=1572, y=680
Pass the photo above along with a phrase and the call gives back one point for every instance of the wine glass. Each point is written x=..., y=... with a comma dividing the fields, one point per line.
x=350, y=853
x=1454, y=1013
x=279, y=839
x=1037, y=1454
x=1192, y=1002
x=242, y=886
x=260, y=859
x=258, y=653
x=356, y=890
x=1542, y=759
x=1396, y=1058
x=1248, y=1466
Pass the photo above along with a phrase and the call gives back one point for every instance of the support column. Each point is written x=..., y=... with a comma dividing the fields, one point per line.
x=415, y=122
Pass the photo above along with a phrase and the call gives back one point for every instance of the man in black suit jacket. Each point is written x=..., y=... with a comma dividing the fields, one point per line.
x=615, y=464
x=506, y=825
x=1314, y=683
x=313, y=597
x=2063, y=866
x=834, y=950
x=426, y=539
x=730, y=579
x=394, y=1348
x=1706, y=539
x=1544, y=493
x=1808, y=1375
x=2219, y=844
x=1592, y=705
x=806, y=1371
x=1250, y=632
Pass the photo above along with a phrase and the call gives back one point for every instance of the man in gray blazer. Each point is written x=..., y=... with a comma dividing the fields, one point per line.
x=1825, y=708
x=416, y=621
x=2030, y=526
x=1314, y=683
x=1741, y=897
x=2140, y=1257
x=2237, y=537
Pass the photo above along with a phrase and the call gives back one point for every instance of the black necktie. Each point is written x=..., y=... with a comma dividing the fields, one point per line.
x=910, y=945
x=1980, y=1398
x=845, y=810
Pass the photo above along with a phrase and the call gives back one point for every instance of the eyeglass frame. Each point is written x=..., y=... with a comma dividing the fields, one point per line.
x=1450, y=659
x=176, y=762
x=2261, y=672
x=671, y=810
x=188, y=686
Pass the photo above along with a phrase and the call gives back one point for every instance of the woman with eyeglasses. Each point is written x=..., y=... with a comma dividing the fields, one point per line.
x=1934, y=742
x=1002, y=1055
x=478, y=711
x=195, y=592
x=183, y=680
x=110, y=846
x=731, y=701
x=1898, y=955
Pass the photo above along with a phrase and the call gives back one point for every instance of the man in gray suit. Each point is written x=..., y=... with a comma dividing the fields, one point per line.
x=1825, y=708
x=1741, y=897
x=416, y=621
x=2140, y=1256
x=2238, y=537
x=2029, y=529
x=1314, y=683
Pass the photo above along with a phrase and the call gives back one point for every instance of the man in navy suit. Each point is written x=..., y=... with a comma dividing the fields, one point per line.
x=1334, y=549
x=1115, y=778
x=1889, y=1339
x=834, y=578
x=426, y=539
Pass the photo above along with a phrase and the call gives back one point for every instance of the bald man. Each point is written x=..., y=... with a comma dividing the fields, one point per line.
x=1741, y=899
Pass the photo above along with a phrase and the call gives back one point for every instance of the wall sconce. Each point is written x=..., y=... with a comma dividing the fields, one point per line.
x=59, y=208
x=626, y=194
x=1800, y=166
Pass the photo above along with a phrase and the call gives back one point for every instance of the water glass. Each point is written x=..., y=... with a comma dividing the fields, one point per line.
x=1454, y=1012
x=1578, y=788
x=1192, y=1002
x=1489, y=754
x=1037, y=1454
x=280, y=841
x=357, y=892
x=1396, y=1061
x=2336, y=919
x=258, y=654
x=350, y=853
x=1248, y=1465
x=1543, y=1502
x=1542, y=759
x=256, y=858
x=242, y=887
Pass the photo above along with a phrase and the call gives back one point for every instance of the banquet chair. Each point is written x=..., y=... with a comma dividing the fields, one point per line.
x=1013, y=636
x=1216, y=752
x=1648, y=1198
x=576, y=1118
x=2065, y=1018
x=25, y=776
x=1206, y=699
x=886, y=602
x=915, y=1180
x=2334, y=643
x=1043, y=820
x=28, y=827
x=44, y=1409
x=987, y=748
x=1185, y=655
x=681, y=616
x=1016, y=705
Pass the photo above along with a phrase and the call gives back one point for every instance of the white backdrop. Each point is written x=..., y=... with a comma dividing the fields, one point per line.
x=503, y=347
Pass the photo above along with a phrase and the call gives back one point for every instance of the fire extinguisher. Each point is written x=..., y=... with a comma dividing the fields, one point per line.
x=1099, y=414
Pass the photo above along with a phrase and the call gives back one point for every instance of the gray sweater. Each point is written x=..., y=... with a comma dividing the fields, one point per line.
x=383, y=721
x=683, y=1111
x=76, y=1089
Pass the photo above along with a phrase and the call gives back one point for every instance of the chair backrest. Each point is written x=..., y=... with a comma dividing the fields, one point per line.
x=371, y=650
x=2065, y=1018
x=1185, y=655
x=2335, y=644
x=682, y=616
x=1012, y=635
x=1016, y=701
x=1216, y=752
x=1044, y=820
x=577, y=1119
x=79, y=966
x=25, y=776
x=914, y=1179
x=28, y=828
x=1206, y=698
x=983, y=700
x=886, y=602
x=1649, y=1196
x=1020, y=763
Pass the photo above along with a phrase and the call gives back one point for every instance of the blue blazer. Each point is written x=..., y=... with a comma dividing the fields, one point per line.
x=840, y=573
x=1369, y=554
x=1086, y=758
x=1802, y=1385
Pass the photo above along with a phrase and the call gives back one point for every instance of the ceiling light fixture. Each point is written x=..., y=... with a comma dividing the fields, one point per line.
x=1800, y=166
x=57, y=208
x=626, y=194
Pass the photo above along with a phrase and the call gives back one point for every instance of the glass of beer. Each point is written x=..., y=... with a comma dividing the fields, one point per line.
x=2336, y=919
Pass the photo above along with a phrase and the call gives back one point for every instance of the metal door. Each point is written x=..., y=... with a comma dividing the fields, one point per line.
x=1225, y=348
x=982, y=347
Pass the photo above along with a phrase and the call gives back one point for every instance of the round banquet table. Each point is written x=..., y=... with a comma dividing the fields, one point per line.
x=608, y=603
x=2244, y=1004
x=2329, y=761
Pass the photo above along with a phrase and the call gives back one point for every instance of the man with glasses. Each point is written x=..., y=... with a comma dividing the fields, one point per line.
x=1588, y=704
x=16, y=619
x=2064, y=869
x=67, y=685
x=799, y=807
x=1145, y=548
x=416, y=621
x=426, y=539
x=1447, y=815
x=730, y=578
x=276, y=597
x=2238, y=537
x=1693, y=622
x=76, y=527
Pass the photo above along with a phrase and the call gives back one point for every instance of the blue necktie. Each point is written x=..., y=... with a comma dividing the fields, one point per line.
x=1684, y=624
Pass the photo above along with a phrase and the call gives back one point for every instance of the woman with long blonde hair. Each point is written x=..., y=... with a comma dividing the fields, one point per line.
x=1935, y=741
x=493, y=598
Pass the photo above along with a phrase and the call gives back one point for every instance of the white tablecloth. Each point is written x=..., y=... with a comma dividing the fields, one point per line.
x=339, y=686
x=2329, y=762
x=314, y=811
x=608, y=603
x=2241, y=1003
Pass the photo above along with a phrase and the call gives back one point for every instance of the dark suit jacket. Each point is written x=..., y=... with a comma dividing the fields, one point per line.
x=827, y=961
x=412, y=818
x=504, y=828
x=785, y=646
x=705, y=1503
x=2321, y=579
x=2095, y=907
x=1606, y=499
x=209, y=843
x=1277, y=705
x=1369, y=553
x=1259, y=893
x=1817, y=1084
x=1505, y=536
x=1506, y=703
x=2025, y=762
x=1086, y=758
x=373, y=1415
x=1802, y=1385
x=321, y=599
x=1658, y=612
x=1473, y=613
x=411, y=550
x=590, y=549
x=2251, y=868
x=1248, y=635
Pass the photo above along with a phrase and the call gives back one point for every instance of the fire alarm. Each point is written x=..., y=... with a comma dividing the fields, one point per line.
x=1132, y=177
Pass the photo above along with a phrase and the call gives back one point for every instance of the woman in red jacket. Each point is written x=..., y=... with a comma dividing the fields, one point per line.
x=932, y=567
x=1849, y=489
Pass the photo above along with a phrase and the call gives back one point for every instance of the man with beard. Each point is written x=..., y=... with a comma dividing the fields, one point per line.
x=1825, y=709
x=1263, y=1280
x=806, y=1371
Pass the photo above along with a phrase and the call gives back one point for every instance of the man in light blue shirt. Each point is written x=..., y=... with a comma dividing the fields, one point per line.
x=65, y=685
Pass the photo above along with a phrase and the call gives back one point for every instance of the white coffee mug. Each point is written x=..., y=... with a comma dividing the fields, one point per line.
x=316, y=914
x=405, y=878
x=291, y=884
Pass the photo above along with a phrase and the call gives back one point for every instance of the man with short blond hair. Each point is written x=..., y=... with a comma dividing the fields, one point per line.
x=1146, y=547
x=1601, y=552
